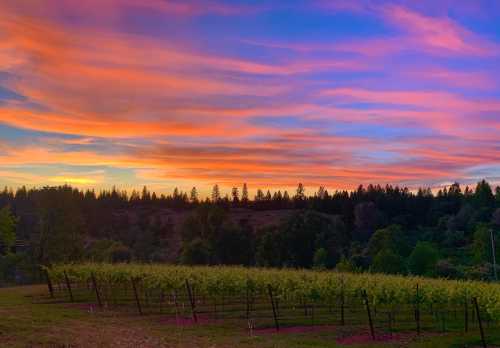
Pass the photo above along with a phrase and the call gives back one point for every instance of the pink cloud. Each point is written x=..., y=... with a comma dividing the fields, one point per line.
x=198, y=115
x=436, y=34
x=432, y=32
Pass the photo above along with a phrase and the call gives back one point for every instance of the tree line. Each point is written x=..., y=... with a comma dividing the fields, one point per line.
x=375, y=228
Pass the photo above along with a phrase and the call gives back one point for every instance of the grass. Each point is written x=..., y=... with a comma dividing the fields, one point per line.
x=28, y=318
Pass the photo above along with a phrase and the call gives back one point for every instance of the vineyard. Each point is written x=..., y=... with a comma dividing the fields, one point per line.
x=269, y=299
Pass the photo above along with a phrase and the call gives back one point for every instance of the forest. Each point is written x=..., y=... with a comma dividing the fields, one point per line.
x=448, y=233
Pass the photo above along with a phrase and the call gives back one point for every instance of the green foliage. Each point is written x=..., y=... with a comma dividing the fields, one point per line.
x=224, y=242
x=204, y=222
x=446, y=269
x=320, y=258
x=366, y=220
x=482, y=244
x=423, y=259
x=61, y=227
x=17, y=268
x=483, y=272
x=390, y=238
x=58, y=223
x=495, y=219
x=268, y=252
x=120, y=253
x=295, y=243
x=292, y=285
x=345, y=265
x=8, y=266
x=106, y=250
x=307, y=231
x=7, y=229
x=146, y=244
x=233, y=246
x=483, y=196
x=196, y=252
x=387, y=261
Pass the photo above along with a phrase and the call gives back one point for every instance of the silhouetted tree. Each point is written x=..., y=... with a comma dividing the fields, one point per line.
x=235, y=195
x=193, y=198
x=215, y=193
x=244, y=194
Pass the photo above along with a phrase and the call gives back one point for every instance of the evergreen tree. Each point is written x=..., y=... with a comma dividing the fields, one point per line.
x=286, y=196
x=193, y=198
x=235, y=195
x=259, y=197
x=7, y=229
x=244, y=194
x=321, y=192
x=483, y=195
x=215, y=194
x=300, y=194
x=146, y=195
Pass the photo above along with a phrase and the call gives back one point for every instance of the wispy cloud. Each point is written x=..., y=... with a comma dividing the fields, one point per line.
x=210, y=92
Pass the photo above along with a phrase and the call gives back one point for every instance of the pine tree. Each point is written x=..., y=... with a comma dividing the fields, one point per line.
x=300, y=194
x=215, y=193
x=244, y=193
x=286, y=196
x=268, y=196
x=259, y=196
x=146, y=195
x=194, y=195
x=321, y=192
x=235, y=195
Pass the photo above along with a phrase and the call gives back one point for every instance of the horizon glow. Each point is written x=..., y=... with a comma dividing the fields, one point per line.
x=190, y=93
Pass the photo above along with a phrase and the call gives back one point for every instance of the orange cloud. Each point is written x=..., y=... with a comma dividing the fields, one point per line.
x=168, y=110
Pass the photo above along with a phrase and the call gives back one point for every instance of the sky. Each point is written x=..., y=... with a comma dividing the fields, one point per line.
x=126, y=93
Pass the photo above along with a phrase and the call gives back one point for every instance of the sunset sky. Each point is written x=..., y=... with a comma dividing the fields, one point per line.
x=96, y=93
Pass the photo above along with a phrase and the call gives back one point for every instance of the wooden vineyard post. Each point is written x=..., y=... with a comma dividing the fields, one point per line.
x=248, y=300
x=96, y=289
x=342, y=302
x=367, y=304
x=68, y=286
x=49, y=284
x=417, y=310
x=483, y=340
x=191, y=301
x=136, y=295
x=276, y=323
